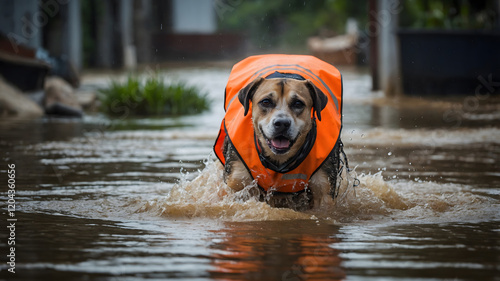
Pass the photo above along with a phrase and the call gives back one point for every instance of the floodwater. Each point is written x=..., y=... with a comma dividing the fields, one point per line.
x=142, y=199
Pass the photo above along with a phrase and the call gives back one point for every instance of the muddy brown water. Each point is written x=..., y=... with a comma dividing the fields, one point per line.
x=143, y=199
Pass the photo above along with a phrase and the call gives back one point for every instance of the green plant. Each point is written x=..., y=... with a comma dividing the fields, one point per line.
x=184, y=99
x=153, y=97
x=154, y=93
x=121, y=98
x=448, y=14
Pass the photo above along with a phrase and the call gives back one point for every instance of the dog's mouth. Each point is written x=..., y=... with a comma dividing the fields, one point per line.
x=280, y=144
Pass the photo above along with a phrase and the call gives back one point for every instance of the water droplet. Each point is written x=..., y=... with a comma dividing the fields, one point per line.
x=390, y=153
x=161, y=26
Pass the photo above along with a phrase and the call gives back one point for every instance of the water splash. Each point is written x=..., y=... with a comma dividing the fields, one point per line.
x=208, y=196
x=374, y=199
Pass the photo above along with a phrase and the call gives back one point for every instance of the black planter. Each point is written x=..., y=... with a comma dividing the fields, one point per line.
x=27, y=74
x=444, y=63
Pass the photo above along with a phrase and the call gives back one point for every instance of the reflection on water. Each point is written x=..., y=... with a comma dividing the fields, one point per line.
x=289, y=251
x=143, y=199
x=459, y=251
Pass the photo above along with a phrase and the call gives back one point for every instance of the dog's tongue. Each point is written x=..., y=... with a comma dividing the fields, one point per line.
x=280, y=143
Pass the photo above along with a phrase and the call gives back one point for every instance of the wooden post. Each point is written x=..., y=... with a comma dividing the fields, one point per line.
x=105, y=34
x=373, y=35
x=384, y=49
x=74, y=32
x=388, y=48
x=126, y=27
x=143, y=29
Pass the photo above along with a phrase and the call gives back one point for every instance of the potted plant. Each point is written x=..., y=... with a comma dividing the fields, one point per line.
x=447, y=46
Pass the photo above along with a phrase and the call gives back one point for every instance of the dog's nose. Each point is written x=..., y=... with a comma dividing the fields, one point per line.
x=281, y=125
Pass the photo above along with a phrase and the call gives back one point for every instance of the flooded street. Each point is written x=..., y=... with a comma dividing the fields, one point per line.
x=143, y=198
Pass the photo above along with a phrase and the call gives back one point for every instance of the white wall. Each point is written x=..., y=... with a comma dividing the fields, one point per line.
x=194, y=16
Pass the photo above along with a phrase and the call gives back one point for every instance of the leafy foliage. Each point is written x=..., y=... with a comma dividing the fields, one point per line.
x=291, y=22
x=449, y=14
x=153, y=97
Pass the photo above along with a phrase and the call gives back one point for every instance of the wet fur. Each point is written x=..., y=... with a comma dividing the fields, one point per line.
x=283, y=92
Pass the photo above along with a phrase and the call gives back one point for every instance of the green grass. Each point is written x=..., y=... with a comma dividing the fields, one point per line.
x=152, y=98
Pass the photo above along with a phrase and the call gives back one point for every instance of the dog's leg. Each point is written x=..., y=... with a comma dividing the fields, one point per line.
x=239, y=177
x=235, y=174
x=324, y=184
x=320, y=186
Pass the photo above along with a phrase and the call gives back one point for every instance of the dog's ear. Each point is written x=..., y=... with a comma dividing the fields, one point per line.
x=319, y=99
x=245, y=95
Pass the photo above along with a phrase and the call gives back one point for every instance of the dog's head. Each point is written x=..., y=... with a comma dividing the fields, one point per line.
x=281, y=113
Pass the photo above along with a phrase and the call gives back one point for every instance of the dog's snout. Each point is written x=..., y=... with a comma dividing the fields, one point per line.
x=281, y=125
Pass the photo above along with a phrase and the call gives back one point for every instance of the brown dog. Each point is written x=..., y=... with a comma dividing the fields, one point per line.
x=281, y=116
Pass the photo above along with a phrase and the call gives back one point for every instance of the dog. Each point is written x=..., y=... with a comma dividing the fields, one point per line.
x=276, y=153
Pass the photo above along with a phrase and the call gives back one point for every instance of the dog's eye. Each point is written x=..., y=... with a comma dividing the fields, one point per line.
x=266, y=103
x=298, y=104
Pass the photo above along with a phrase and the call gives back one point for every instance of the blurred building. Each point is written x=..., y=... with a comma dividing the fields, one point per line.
x=116, y=33
x=37, y=37
x=189, y=31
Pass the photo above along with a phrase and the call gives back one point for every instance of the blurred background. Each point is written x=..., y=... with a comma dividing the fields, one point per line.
x=415, y=47
x=109, y=110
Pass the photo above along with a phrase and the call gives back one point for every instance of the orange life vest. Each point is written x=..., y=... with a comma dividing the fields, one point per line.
x=239, y=128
